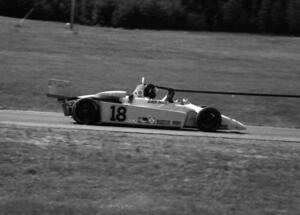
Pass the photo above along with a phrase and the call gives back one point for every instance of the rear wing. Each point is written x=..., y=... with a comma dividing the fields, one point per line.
x=60, y=89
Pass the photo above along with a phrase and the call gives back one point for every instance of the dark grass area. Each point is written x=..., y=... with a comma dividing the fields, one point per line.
x=92, y=172
x=98, y=59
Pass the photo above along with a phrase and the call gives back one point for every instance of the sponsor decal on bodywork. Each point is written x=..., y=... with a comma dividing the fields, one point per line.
x=153, y=121
x=163, y=122
x=146, y=120
x=157, y=102
x=176, y=123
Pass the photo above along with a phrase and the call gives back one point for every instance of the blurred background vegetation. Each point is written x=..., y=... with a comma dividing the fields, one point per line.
x=252, y=16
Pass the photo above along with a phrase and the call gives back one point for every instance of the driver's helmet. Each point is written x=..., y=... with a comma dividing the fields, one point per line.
x=145, y=90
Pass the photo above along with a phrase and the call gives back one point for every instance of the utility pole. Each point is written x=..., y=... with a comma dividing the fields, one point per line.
x=73, y=7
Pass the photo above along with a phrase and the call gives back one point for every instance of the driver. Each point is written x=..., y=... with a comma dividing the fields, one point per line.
x=150, y=91
x=145, y=90
x=139, y=90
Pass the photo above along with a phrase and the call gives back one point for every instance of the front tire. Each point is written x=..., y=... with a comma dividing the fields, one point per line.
x=209, y=119
x=86, y=111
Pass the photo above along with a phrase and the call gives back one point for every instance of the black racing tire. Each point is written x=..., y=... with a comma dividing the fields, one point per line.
x=209, y=119
x=150, y=91
x=86, y=111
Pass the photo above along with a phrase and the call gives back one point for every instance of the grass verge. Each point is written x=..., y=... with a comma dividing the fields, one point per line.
x=92, y=172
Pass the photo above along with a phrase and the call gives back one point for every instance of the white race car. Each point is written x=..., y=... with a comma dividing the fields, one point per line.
x=141, y=108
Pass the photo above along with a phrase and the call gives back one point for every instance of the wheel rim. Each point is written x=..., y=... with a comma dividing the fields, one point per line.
x=209, y=119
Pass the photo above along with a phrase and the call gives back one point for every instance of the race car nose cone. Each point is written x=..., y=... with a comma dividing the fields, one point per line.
x=232, y=124
x=240, y=126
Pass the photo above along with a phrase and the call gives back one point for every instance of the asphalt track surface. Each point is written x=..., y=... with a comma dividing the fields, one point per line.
x=57, y=120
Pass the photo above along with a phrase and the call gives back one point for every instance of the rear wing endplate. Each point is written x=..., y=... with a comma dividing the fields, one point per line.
x=60, y=89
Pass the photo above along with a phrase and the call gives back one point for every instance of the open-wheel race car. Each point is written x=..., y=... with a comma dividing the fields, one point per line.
x=140, y=108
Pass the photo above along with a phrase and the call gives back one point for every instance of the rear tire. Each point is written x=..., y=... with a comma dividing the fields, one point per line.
x=209, y=119
x=86, y=111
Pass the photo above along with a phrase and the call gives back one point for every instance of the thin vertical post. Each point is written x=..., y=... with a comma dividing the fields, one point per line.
x=73, y=6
